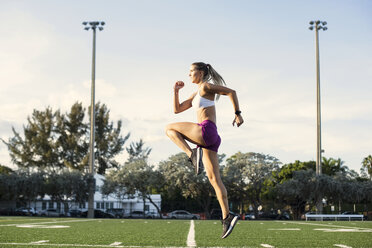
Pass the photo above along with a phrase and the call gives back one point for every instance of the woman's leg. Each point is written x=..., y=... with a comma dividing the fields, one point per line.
x=212, y=168
x=181, y=131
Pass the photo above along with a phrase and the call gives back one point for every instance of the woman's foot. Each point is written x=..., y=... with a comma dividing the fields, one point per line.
x=228, y=224
x=196, y=159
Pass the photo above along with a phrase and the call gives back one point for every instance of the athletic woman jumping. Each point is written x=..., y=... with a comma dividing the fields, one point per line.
x=204, y=133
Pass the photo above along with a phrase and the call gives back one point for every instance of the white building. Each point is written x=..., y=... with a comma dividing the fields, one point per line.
x=101, y=202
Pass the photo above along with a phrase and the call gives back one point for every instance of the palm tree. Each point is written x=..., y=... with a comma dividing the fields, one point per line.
x=341, y=166
x=331, y=166
x=367, y=165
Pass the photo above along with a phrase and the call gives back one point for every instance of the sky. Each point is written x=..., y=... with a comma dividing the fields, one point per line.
x=263, y=49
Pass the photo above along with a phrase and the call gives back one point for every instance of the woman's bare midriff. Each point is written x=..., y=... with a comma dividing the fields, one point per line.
x=208, y=113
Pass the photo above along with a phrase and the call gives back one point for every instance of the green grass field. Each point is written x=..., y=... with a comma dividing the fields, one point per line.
x=71, y=232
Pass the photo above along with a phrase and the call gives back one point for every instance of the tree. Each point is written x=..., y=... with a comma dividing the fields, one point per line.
x=53, y=141
x=367, y=190
x=136, y=151
x=25, y=187
x=284, y=174
x=68, y=187
x=332, y=166
x=5, y=170
x=286, y=171
x=8, y=186
x=112, y=186
x=235, y=181
x=180, y=177
x=136, y=176
x=38, y=147
x=367, y=165
x=296, y=192
x=73, y=140
x=255, y=169
x=109, y=141
x=307, y=188
x=22, y=186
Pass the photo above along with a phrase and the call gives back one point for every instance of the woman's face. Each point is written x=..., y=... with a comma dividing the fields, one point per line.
x=195, y=75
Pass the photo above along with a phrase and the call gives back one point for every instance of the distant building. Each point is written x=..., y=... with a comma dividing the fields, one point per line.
x=129, y=204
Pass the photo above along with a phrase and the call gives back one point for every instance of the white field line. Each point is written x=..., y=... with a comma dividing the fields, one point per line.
x=327, y=225
x=284, y=229
x=108, y=246
x=115, y=244
x=49, y=222
x=341, y=230
x=267, y=246
x=65, y=245
x=342, y=246
x=191, y=236
x=86, y=245
x=41, y=226
x=40, y=242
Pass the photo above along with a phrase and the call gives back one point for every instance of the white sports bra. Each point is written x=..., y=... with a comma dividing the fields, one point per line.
x=200, y=102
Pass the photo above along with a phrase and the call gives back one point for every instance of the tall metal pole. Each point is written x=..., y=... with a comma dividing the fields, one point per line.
x=93, y=26
x=318, y=118
x=318, y=25
x=92, y=130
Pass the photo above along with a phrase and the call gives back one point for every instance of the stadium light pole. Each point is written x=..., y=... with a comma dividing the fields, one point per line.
x=318, y=25
x=93, y=26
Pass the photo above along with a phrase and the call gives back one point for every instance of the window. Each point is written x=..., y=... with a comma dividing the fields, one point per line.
x=147, y=207
x=111, y=205
x=51, y=204
x=107, y=205
x=82, y=205
x=44, y=205
x=98, y=205
x=102, y=205
x=58, y=205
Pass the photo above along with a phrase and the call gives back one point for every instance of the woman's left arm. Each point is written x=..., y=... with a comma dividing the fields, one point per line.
x=222, y=90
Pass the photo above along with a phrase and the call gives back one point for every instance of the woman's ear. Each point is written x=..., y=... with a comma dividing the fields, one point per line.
x=201, y=75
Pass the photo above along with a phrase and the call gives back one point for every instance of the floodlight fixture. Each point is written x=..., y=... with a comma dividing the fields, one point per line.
x=318, y=25
x=93, y=25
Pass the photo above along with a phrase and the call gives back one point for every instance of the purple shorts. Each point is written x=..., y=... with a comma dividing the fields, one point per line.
x=210, y=135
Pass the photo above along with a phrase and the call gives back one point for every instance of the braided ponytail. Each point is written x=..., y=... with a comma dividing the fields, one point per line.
x=209, y=74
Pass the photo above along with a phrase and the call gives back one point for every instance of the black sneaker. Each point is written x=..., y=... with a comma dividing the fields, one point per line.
x=228, y=224
x=196, y=160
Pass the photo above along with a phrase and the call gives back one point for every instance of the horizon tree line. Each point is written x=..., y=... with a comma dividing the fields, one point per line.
x=54, y=150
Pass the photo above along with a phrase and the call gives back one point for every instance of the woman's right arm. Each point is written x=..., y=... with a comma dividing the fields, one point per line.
x=180, y=107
